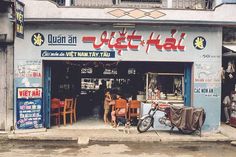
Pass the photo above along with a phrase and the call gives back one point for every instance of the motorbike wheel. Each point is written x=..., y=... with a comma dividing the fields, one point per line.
x=144, y=124
x=183, y=131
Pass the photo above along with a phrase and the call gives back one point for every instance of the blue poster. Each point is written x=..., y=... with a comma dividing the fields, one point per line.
x=29, y=114
x=29, y=108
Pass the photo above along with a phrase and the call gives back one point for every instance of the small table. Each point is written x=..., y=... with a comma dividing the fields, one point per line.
x=62, y=103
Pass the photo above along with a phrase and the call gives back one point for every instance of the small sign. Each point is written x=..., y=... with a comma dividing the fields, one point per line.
x=37, y=39
x=29, y=93
x=199, y=43
x=20, y=19
x=80, y=54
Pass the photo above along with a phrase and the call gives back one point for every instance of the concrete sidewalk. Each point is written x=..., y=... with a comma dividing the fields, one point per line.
x=84, y=136
x=228, y=131
x=3, y=135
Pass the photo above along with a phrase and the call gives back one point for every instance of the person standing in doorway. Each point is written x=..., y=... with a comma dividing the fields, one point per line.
x=107, y=101
x=230, y=77
x=101, y=97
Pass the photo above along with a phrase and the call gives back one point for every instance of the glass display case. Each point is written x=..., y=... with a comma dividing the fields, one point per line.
x=94, y=83
x=164, y=86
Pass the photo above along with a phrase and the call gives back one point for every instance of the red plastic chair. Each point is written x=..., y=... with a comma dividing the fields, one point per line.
x=55, y=110
x=134, y=109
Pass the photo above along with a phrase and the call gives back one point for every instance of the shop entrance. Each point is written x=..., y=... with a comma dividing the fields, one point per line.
x=228, y=88
x=87, y=81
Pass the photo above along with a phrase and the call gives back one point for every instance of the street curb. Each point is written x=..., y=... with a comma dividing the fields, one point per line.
x=23, y=131
x=228, y=135
x=40, y=138
x=3, y=132
x=3, y=135
x=233, y=143
x=155, y=141
x=83, y=139
x=132, y=140
x=89, y=141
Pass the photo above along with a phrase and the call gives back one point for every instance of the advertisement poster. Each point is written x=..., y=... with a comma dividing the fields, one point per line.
x=29, y=108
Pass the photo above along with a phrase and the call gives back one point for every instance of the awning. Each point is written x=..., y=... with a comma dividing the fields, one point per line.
x=231, y=51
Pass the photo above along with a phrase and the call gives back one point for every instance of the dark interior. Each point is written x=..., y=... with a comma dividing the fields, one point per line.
x=73, y=79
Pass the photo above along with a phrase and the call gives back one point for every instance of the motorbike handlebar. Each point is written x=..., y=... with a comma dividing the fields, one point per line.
x=155, y=105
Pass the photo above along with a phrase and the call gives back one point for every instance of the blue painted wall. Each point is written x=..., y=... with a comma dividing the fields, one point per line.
x=218, y=2
x=229, y=1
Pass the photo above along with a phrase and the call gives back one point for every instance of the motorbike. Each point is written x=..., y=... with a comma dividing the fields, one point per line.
x=173, y=118
x=233, y=114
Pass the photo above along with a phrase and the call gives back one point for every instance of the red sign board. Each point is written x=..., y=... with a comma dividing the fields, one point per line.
x=29, y=93
x=123, y=40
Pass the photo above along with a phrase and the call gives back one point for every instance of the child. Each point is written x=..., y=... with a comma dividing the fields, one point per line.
x=107, y=100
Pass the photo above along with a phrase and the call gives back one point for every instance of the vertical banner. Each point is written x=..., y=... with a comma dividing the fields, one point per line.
x=19, y=19
x=29, y=108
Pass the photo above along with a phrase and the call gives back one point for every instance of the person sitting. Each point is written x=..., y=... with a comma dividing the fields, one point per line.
x=118, y=111
x=228, y=100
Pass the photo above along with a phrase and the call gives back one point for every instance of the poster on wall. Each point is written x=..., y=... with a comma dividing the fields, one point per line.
x=29, y=108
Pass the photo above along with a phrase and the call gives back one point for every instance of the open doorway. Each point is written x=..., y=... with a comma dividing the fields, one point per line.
x=87, y=81
x=228, y=89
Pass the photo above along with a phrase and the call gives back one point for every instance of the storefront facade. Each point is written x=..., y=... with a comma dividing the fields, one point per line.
x=198, y=47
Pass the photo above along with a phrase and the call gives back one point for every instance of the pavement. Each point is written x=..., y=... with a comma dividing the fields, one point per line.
x=226, y=133
x=3, y=135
